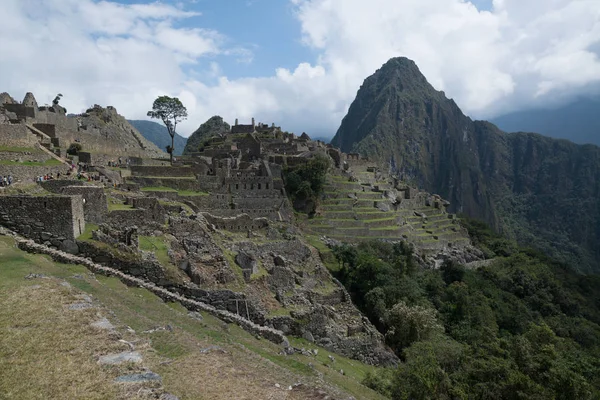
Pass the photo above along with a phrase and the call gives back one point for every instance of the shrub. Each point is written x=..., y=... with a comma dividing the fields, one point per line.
x=74, y=149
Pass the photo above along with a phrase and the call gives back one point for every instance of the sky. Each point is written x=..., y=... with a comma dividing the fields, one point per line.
x=297, y=63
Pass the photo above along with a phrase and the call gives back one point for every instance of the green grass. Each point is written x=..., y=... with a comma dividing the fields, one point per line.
x=160, y=247
x=13, y=149
x=48, y=163
x=380, y=219
x=156, y=245
x=168, y=189
x=87, y=233
x=119, y=206
x=385, y=228
x=157, y=189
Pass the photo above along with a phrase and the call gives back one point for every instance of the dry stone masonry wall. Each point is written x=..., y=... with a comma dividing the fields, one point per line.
x=54, y=220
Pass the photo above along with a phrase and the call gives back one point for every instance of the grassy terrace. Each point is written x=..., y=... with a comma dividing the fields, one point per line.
x=157, y=189
x=12, y=149
x=48, y=163
x=345, y=218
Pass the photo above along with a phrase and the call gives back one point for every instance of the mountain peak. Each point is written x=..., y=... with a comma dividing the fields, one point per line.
x=399, y=87
x=400, y=120
x=403, y=74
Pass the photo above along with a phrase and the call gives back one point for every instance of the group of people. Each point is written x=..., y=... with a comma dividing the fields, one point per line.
x=47, y=177
x=113, y=163
x=6, y=180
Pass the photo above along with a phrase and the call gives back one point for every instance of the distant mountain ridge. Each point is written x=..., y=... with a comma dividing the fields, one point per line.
x=578, y=121
x=158, y=134
x=543, y=192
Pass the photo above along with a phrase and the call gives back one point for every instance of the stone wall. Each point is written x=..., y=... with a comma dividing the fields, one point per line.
x=31, y=154
x=136, y=217
x=242, y=222
x=148, y=161
x=154, y=211
x=48, y=129
x=173, y=183
x=272, y=215
x=28, y=173
x=125, y=261
x=16, y=135
x=95, y=207
x=52, y=219
x=21, y=110
x=60, y=120
x=161, y=171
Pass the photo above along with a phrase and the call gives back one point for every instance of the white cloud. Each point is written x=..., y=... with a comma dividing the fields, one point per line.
x=519, y=54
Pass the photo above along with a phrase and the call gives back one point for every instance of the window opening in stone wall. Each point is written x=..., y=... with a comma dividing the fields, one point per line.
x=45, y=204
x=259, y=186
x=267, y=186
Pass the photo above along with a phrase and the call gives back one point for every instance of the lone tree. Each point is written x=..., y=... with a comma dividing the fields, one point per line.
x=171, y=111
x=57, y=99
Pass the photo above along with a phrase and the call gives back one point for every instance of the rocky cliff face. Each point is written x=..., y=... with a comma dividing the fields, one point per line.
x=213, y=127
x=541, y=191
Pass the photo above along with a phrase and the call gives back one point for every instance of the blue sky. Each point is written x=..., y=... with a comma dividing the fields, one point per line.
x=298, y=63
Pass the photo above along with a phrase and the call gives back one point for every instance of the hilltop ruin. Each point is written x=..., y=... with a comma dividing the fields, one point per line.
x=217, y=226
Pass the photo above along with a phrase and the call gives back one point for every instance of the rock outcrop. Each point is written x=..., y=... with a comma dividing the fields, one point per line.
x=213, y=127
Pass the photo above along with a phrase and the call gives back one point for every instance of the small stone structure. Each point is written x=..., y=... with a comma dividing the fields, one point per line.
x=95, y=206
x=54, y=220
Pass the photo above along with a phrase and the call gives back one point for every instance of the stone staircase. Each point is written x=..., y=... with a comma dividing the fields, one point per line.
x=46, y=143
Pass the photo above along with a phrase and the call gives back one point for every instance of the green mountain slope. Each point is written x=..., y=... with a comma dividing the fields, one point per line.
x=539, y=190
x=213, y=127
x=158, y=134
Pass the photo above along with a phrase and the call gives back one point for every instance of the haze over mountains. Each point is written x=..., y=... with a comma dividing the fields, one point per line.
x=541, y=191
x=578, y=121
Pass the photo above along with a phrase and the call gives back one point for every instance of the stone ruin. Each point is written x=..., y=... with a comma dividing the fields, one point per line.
x=223, y=209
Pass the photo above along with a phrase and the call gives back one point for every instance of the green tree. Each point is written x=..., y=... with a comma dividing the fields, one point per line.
x=171, y=111
x=410, y=324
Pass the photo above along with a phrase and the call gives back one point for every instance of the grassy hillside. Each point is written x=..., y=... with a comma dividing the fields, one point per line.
x=523, y=327
x=49, y=350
